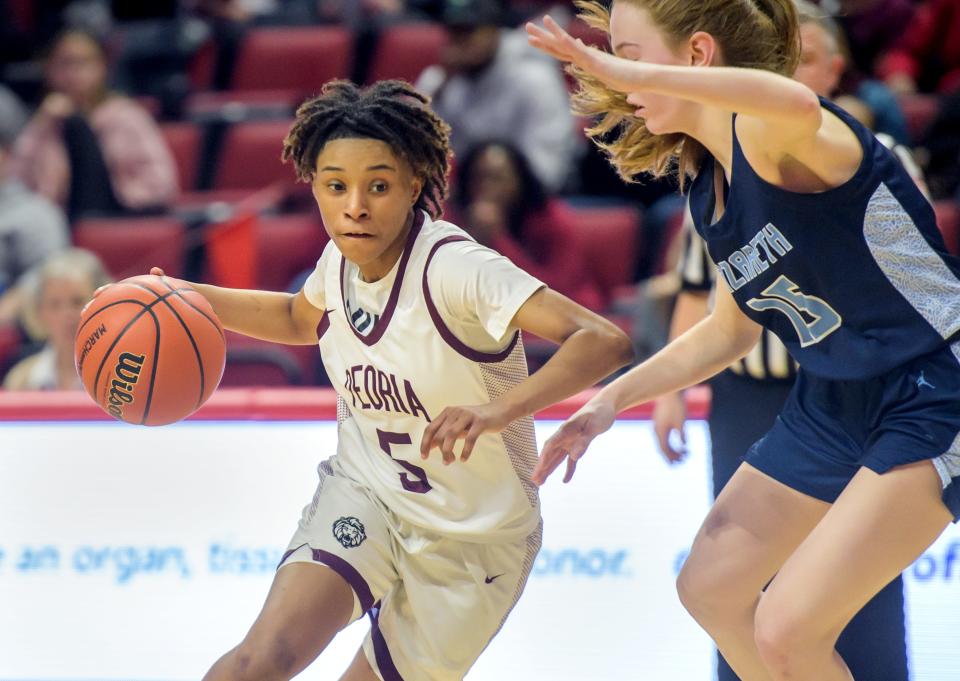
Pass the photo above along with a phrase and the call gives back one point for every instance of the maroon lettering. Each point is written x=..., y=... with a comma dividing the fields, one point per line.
x=370, y=386
x=420, y=484
x=414, y=401
x=383, y=381
x=356, y=387
x=396, y=391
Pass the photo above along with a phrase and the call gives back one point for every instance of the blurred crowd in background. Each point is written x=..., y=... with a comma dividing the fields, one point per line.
x=135, y=134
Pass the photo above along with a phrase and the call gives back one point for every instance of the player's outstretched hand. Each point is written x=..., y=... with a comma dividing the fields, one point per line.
x=571, y=440
x=619, y=74
x=669, y=415
x=461, y=423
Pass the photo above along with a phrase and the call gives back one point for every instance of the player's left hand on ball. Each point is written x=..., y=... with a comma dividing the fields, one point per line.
x=571, y=440
x=460, y=423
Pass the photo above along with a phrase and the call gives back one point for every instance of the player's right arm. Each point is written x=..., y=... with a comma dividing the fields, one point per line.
x=723, y=337
x=670, y=410
x=288, y=318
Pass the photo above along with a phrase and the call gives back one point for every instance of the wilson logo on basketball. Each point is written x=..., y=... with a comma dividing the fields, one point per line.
x=91, y=341
x=121, y=391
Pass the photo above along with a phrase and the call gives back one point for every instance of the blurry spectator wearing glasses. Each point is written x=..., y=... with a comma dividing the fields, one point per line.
x=88, y=149
x=55, y=293
x=493, y=85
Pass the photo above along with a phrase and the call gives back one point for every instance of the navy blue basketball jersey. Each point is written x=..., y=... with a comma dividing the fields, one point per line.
x=854, y=280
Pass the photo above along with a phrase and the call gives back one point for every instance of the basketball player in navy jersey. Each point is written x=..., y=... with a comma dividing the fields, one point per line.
x=820, y=235
x=748, y=396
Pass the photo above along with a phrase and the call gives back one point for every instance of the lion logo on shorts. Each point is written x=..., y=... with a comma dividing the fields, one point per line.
x=349, y=532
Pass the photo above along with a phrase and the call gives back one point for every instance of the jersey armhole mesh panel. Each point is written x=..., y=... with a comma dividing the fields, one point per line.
x=519, y=438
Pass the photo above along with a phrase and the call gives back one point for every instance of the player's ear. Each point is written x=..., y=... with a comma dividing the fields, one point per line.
x=416, y=188
x=703, y=50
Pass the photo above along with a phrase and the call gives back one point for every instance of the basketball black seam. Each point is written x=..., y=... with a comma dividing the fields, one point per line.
x=215, y=325
x=153, y=369
x=186, y=330
x=106, y=355
x=105, y=307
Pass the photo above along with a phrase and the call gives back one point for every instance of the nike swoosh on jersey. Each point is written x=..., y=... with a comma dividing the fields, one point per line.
x=489, y=580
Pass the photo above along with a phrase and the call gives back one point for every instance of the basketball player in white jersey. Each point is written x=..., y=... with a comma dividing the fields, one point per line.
x=418, y=328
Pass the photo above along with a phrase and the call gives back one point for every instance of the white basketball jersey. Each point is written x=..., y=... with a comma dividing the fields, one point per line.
x=392, y=381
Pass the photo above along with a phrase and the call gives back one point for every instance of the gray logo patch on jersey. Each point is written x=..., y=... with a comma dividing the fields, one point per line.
x=349, y=532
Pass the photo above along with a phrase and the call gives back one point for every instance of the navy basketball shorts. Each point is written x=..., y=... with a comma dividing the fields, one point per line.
x=830, y=428
x=434, y=602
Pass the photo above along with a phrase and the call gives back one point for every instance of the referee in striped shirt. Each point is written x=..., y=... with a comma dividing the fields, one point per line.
x=746, y=399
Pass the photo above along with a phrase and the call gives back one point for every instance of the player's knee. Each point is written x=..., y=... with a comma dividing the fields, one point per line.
x=264, y=661
x=786, y=634
x=701, y=594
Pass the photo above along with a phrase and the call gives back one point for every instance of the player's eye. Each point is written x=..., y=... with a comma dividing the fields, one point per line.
x=379, y=187
x=336, y=186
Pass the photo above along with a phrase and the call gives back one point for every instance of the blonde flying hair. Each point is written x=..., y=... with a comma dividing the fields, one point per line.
x=757, y=34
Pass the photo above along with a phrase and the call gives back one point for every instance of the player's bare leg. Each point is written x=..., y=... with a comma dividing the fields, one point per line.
x=878, y=527
x=360, y=669
x=753, y=527
x=306, y=607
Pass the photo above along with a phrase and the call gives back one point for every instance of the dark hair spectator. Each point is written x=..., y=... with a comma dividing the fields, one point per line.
x=500, y=201
x=492, y=84
x=88, y=149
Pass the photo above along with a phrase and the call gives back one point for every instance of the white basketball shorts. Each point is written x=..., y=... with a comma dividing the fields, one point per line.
x=434, y=602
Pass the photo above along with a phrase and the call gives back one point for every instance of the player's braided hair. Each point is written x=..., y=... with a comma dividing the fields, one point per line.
x=391, y=111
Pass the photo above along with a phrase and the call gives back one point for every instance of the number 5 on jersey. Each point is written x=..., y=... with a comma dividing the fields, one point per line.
x=812, y=317
x=421, y=485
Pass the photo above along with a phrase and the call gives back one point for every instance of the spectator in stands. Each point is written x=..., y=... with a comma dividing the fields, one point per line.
x=822, y=64
x=503, y=205
x=31, y=227
x=90, y=150
x=492, y=84
x=56, y=291
x=927, y=56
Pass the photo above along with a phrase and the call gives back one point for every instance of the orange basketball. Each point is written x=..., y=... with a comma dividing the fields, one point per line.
x=149, y=350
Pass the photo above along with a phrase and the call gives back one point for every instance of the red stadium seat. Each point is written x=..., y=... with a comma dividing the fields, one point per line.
x=919, y=110
x=184, y=140
x=9, y=346
x=288, y=245
x=269, y=365
x=202, y=67
x=405, y=50
x=255, y=362
x=250, y=156
x=293, y=58
x=130, y=246
x=608, y=237
x=948, y=219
